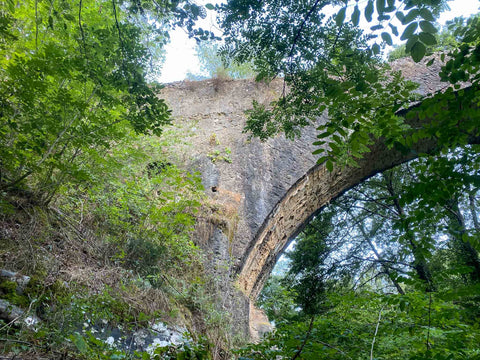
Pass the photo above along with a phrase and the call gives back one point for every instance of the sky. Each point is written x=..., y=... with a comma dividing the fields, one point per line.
x=180, y=52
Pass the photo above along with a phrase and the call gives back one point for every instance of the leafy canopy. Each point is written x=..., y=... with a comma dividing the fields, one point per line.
x=74, y=81
x=213, y=66
x=331, y=67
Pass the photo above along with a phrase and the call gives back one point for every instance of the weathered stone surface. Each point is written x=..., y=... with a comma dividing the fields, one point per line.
x=14, y=314
x=259, y=174
x=208, y=171
x=259, y=324
x=144, y=339
x=244, y=189
x=21, y=280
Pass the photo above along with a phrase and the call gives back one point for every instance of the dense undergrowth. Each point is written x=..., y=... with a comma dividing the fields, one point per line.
x=95, y=207
x=115, y=249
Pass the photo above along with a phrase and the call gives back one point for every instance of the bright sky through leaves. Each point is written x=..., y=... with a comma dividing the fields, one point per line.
x=181, y=57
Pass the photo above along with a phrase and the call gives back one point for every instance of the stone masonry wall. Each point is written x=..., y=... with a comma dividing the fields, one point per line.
x=260, y=193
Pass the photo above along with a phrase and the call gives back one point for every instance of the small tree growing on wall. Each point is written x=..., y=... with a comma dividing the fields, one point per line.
x=213, y=65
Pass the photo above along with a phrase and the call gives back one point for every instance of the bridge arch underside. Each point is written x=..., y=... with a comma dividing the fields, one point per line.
x=304, y=199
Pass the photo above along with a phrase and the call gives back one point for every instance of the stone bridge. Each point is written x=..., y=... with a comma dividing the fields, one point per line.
x=261, y=194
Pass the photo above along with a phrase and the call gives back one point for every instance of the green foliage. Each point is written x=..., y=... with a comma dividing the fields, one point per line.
x=446, y=39
x=277, y=300
x=351, y=86
x=389, y=270
x=307, y=276
x=74, y=86
x=144, y=208
x=9, y=293
x=330, y=67
x=347, y=331
x=83, y=168
x=217, y=155
x=190, y=350
x=74, y=83
x=135, y=213
x=138, y=209
x=214, y=65
x=92, y=348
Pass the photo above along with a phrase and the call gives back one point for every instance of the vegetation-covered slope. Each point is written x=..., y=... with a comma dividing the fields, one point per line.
x=95, y=208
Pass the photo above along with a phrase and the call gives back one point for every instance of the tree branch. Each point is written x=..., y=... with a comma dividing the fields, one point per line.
x=307, y=335
x=376, y=331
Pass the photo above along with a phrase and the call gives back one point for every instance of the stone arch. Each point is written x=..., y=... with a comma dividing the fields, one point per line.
x=261, y=197
x=266, y=191
x=305, y=198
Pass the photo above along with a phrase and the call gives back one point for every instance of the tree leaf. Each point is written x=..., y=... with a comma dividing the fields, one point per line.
x=376, y=49
x=329, y=165
x=418, y=51
x=412, y=15
x=323, y=135
x=409, y=30
x=427, y=38
x=380, y=6
x=428, y=27
x=210, y=6
x=400, y=16
x=356, y=16
x=11, y=6
x=426, y=14
x=79, y=342
x=410, y=43
x=69, y=17
x=322, y=159
x=339, y=19
x=387, y=38
x=394, y=29
x=369, y=10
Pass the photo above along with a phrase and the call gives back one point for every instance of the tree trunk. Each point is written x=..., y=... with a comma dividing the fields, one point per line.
x=458, y=229
x=380, y=259
x=419, y=263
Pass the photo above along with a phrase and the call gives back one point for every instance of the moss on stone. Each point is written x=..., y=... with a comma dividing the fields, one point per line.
x=8, y=292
